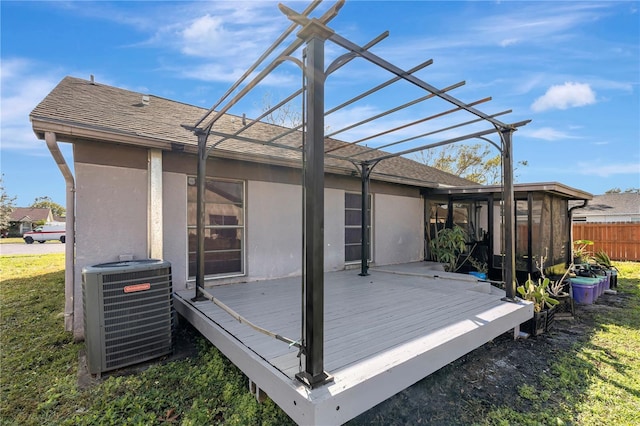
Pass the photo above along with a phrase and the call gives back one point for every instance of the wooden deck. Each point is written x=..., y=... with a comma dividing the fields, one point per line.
x=383, y=333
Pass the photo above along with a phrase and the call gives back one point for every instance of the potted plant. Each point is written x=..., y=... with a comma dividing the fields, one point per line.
x=542, y=302
x=481, y=268
x=447, y=246
x=580, y=252
x=603, y=259
x=565, y=301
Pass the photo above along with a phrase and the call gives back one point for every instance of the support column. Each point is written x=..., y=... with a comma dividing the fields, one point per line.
x=154, y=205
x=509, y=262
x=200, y=186
x=313, y=374
x=364, y=252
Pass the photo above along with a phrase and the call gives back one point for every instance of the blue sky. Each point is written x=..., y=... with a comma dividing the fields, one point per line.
x=573, y=68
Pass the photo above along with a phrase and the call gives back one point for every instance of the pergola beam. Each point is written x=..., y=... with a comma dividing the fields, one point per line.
x=265, y=54
x=433, y=132
x=422, y=120
x=346, y=44
x=449, y=141
x=392, y=110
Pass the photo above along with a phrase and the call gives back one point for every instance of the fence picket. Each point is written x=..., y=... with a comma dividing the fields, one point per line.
x=621, y=241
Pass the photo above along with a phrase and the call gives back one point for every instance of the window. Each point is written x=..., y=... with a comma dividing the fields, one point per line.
x=224, y=227
x=353, y=227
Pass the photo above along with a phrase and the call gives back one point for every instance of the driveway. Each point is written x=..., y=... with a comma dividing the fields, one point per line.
x=36, y=248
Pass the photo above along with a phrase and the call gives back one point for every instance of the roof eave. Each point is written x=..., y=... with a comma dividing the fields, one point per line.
x=67, y=132
x=549, y=187
x=72, y=132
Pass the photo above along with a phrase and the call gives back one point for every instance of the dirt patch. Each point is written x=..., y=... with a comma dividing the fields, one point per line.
x=489, y=376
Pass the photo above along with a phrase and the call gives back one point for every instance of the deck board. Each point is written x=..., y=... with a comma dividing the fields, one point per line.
x=387, y=314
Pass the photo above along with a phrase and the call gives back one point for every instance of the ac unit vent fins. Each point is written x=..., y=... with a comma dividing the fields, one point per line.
x=128, y=310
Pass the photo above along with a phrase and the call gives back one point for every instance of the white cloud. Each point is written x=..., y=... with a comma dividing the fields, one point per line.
x=547, y=134
x=565, y=96
x=509, y=42
x=606, y=170
x=22, y=90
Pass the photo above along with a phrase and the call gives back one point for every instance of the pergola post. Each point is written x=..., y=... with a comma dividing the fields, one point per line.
x=509, y=262
x=200, y=213
x=364, y=252
x=313, y=374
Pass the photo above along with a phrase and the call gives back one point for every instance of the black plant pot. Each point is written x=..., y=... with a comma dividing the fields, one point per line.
x=551, y=313
x=565, y=304
x=536, y=325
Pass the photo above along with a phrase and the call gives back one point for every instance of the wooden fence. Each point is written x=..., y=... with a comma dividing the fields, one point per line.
x=621, y=241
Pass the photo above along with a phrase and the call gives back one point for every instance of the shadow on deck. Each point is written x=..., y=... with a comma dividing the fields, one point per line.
x=383, y=333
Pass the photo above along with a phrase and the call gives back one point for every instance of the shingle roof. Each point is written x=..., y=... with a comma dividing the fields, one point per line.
x=79, y=104
x=29, y=214
x=612, y=204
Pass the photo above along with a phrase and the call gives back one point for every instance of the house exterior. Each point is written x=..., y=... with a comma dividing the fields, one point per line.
x=612, y=222
x=608, y=208
x=125, y=150
x=25, y=219
x=133, y=196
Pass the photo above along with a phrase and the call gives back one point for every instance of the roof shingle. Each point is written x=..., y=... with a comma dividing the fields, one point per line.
x=78, y=103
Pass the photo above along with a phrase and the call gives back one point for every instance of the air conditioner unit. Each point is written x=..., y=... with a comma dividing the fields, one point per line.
x=127, y=313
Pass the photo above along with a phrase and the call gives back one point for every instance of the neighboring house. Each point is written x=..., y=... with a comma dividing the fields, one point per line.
x=612, y=222
x=622, y=207
x=25, y=219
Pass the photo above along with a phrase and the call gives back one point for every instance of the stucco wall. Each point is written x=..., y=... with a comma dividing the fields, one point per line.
x=274, y=230
x=111, y=219
x=398, y=233
x=111, y=215
x=174, y=230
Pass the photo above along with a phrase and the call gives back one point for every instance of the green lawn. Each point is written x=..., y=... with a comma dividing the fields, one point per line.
x=18, y=240
x=12, y=240
x=596, y=383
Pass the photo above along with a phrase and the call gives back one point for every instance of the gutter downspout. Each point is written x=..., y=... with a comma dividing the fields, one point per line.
x=571, y=226
x=70, y=240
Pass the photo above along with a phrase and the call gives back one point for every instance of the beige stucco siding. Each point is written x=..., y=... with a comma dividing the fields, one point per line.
x=398, y=229
x=274, y=230
x=111, y=219
x=174, y=190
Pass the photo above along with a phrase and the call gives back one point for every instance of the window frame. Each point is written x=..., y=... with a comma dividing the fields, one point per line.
x=359, y=227
x=242, y=228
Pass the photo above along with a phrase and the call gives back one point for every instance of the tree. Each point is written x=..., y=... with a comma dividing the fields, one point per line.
x=471, y=162
x=286, y=116
x=6, y=206
x=626, y=191
x=46, y=203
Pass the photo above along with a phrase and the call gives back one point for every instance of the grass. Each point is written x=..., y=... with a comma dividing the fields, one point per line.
x=597, y=382
x=18, y=240
x=12, y=240
x=38, y=381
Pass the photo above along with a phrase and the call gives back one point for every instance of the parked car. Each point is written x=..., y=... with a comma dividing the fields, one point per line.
x=48, y=232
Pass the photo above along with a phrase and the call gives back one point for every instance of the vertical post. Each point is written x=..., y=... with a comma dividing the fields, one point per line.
x=364, y=252
x=509, y=264
x=200, y=185
x=313, y=169
x=154, y=205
